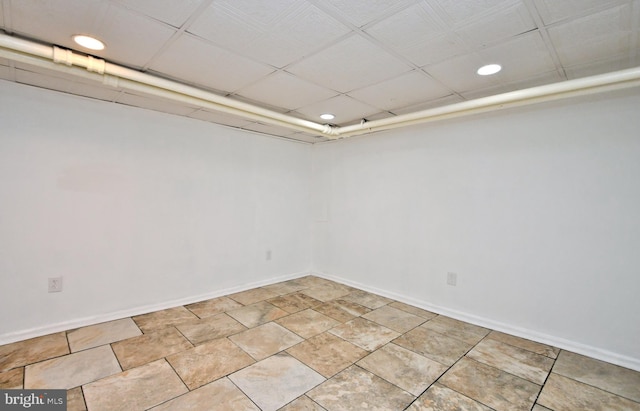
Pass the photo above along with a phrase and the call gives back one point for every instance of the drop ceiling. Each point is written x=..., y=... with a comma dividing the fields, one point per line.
x=357, y=59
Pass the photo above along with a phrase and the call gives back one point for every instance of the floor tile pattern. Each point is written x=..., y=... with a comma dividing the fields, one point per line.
x=310, y=344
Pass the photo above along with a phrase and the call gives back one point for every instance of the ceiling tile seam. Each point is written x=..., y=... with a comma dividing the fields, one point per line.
x=293, y=63
x=477, y=17
x=379, y=44
x=399, y=7
x=177, y=34
x=584, y=13
x=542, y=29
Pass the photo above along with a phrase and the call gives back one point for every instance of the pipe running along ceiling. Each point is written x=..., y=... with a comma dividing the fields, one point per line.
x=112, y=75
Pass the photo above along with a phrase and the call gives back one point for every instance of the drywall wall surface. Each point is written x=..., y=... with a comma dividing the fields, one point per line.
x=535, y=209
x=135, y=209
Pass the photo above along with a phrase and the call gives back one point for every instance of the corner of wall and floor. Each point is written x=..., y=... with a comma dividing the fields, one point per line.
x=533, y=210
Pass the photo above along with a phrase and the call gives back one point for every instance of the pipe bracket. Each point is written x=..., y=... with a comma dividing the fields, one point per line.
x=62, y=56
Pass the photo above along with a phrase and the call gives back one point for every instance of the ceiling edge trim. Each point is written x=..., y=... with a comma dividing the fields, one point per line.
x=53, y=57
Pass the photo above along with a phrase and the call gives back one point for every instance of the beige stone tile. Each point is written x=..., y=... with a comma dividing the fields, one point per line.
x=72, y=370
x=438, y=347
x=311, y=281
x=327, y=354
x=358, y=389
x=460, y=330
x=276, y=381
x=75, y=400
x=32, y=350
x=427, y=315
x=256, y=314
x=145, y=348
x=342, y=310
x=327, y=291
x=538, y=348
x=609, y=377
x=265, y=340
x=406, y=369
x=210, y=328
x=165, y=318
x=285, y=287
x=295, y=302
x=490, y=386
x=540, y=408
x=441, y=398
x=209, y=308
x=12, y=380
x=220, y=395
x=364, y=333
x=208, y=362
x=307, y=323
x=253, y=296
x=564, y=394
x=367, y=299
x=302, y=403
x=139, y=388
x=394, y=318
x=514, y=360
x=100, y=334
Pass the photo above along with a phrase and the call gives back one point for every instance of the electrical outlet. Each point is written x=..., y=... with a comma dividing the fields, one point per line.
x=55, y=284
x=452, y=278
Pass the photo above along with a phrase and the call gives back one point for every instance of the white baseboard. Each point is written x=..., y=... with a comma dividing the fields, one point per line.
x=573, y=346
x=130, y=312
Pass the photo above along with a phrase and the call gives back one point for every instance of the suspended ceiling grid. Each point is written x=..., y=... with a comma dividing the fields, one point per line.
x=357, y=59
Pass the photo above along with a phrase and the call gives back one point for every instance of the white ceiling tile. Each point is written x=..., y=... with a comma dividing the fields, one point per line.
x=498, y=26
x=286, y=90
x=603, y=66
x=457, y=11
x=552, y=11
x=521, y=57
x=39, y=78
x=418, y=35
x=309, y=138
x=539, y=80
x=201, y=63
x=300, y=32
x=269, y=129
x=594, y=37
x=130, y=38
x=443, y=101
x=362, y=12
x=6, y=73
x=459, y=73
x=345, y=109
x=155, y=103
x=401, y=91
x=219, y=118
x=350, y=64
x=171, y=12
x=275, y=32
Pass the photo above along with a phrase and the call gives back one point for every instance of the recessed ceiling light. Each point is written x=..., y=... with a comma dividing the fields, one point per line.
x=88, y=42
x=489, y=69
x=327, y=116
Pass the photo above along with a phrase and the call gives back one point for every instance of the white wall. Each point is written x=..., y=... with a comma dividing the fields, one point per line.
x=137, y=210
x=536, y=209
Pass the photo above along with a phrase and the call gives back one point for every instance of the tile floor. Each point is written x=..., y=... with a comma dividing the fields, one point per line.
x=310, y=344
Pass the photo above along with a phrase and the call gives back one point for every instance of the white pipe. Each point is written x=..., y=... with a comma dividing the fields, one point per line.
x=571, y=88
x=117, y=76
